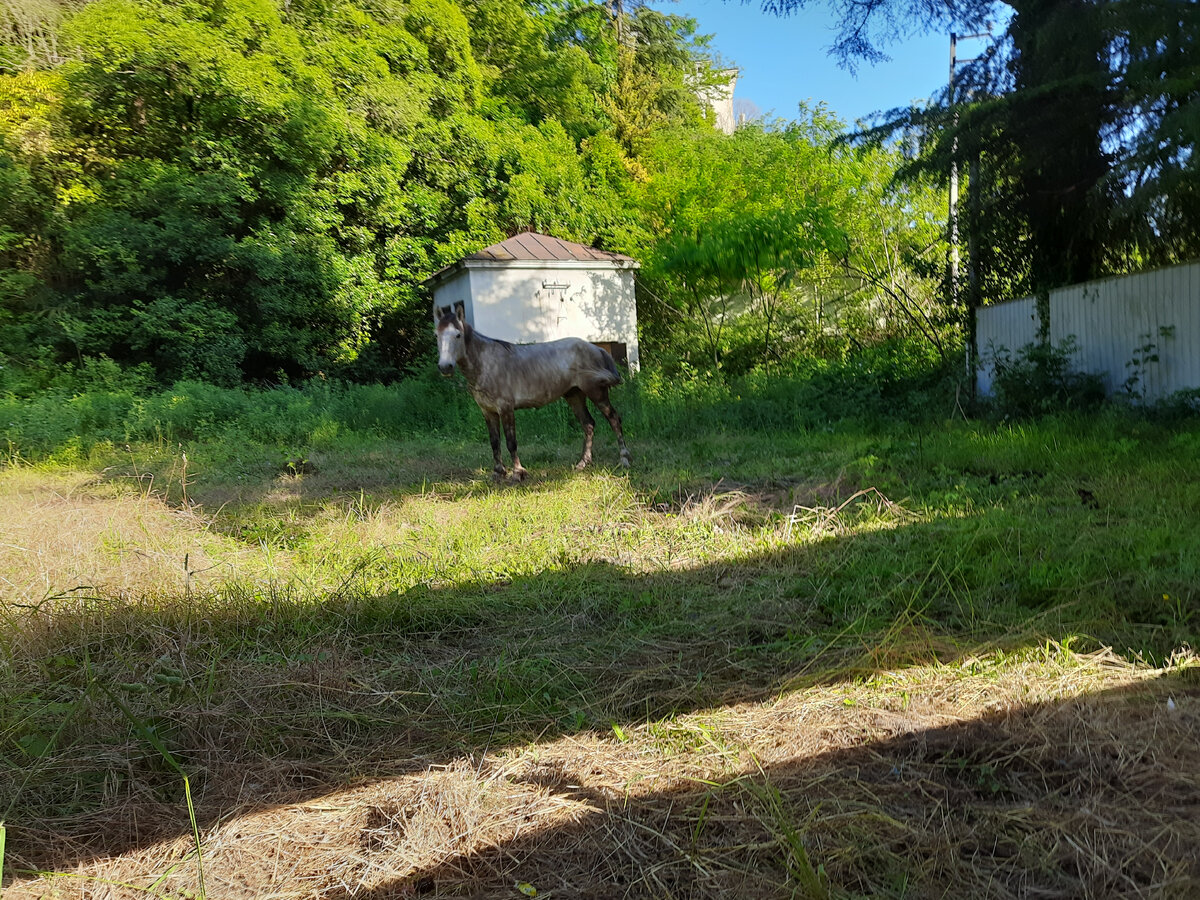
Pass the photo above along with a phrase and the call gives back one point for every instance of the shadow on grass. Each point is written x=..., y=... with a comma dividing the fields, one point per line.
x=1096, y=796
x=276, y=700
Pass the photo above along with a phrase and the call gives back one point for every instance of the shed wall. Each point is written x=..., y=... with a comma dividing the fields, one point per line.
x=523, y=304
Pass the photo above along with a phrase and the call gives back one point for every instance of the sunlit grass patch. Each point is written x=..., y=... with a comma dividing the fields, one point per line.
x=672, y=666
x=66, y=532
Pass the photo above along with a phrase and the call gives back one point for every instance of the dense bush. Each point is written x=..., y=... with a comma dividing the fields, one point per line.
x=1041, y=378
x=254, y=191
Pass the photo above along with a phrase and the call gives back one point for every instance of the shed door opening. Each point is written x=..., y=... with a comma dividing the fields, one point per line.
x=616, y=350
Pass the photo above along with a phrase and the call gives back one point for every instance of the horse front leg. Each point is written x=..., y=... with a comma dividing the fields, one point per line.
x=510, y=434
x=493, y=426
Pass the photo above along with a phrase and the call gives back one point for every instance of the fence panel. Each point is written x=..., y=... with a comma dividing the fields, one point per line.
x=1009, y=326
x=1140, y=333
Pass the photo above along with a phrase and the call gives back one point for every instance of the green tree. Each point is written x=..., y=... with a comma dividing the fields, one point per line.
x=1155, y=173
x=782, y=227
x=1079, y=117
x=255, y=189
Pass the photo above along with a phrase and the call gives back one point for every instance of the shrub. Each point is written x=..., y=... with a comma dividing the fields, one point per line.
x=1040, y=379
x=1179, y=405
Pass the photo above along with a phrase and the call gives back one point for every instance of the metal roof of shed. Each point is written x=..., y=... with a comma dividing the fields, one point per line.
x=543, y=247
x=532, y=247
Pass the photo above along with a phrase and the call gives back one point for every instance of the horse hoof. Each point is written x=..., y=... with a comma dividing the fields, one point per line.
x=581, y=465
x=519, y=475
x=626, y=459
x=499, y=473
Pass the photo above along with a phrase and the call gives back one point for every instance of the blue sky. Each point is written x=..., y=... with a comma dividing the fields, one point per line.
x=785, y=60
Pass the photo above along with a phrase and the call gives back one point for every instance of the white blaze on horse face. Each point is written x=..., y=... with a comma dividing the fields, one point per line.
x=450, y=345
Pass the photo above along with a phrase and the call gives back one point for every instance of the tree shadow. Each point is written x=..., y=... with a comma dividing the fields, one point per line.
x=1095, y=796
x=275, y=700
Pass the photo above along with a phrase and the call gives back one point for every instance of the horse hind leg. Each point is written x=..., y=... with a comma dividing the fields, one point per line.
x=578, y=404
x=599, y=396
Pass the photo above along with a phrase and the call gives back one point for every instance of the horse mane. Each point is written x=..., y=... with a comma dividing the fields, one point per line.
x=470, y=332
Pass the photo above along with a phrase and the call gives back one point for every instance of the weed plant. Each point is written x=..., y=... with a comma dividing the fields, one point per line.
x=1041, y=378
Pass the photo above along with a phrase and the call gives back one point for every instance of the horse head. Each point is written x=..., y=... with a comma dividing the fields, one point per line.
x=452, y=336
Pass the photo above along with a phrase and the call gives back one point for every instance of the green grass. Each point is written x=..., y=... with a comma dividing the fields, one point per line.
x=397, y=604
x=99, y=408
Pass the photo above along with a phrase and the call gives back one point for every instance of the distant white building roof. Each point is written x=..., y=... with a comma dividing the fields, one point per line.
x=533, y=246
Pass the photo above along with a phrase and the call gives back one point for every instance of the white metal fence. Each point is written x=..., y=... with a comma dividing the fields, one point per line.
x=1138, y=332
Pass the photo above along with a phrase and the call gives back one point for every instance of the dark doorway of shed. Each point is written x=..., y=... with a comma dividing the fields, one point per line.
x=616, y=350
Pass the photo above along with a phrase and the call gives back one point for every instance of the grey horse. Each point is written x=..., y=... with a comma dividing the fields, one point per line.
x=504, y=377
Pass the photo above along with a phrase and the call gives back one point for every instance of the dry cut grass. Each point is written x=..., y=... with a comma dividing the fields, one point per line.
x=1057, y=775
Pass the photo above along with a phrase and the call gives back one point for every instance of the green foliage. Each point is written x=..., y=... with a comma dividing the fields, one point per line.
x=1041, y=379
x=1179, y=405
x=1077, y=121
x=254, y=191
x=767, y=242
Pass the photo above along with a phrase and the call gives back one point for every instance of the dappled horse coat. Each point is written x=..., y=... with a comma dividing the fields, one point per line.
x=505, y=377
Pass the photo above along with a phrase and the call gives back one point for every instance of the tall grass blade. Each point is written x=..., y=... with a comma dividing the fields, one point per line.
x=812, y=881
x=147, y=734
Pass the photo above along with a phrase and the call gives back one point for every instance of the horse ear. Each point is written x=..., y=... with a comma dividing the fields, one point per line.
x=466, y=329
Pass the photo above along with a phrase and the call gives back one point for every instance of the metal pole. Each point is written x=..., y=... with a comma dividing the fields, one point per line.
x=952, y=274
x=972, y=269
x=952, y=253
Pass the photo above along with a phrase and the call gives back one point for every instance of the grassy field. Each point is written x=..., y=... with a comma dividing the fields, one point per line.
x=834, y=659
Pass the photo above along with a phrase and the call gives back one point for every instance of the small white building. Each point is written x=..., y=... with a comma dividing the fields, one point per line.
x=534, y=287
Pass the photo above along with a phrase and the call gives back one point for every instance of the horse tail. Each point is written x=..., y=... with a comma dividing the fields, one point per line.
x=610, y=365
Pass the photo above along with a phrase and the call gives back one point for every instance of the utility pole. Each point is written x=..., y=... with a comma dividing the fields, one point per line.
x=952, y=261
